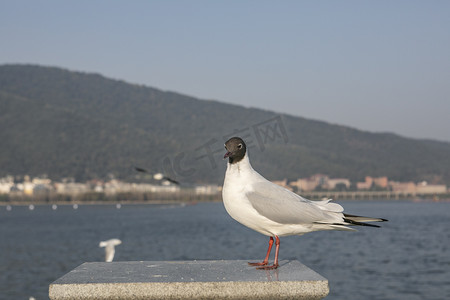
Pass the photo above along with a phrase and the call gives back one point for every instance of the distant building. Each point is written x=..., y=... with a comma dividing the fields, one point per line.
x=206, y=189
x=5, y=188
x=403, y=187
x=319, y=180
x=425, y=188
x=381, y=182
x=142, y=187
x=27, y=186
x=305, y=184
x=115, y=186
x=96, y=185
x=6, y=184
x=332, y=183
x=150, y=188
x=422, y=188
x=71, y=188
x=41, y=181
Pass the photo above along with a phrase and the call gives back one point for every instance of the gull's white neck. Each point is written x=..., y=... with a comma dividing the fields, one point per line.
x=241, y=167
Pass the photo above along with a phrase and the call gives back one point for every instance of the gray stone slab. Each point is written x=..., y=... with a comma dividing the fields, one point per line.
x=189, y=280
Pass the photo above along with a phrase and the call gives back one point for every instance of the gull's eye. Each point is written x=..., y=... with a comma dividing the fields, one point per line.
x=240, y=146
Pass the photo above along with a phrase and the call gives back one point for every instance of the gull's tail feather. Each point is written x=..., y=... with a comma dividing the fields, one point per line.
x=361, y=221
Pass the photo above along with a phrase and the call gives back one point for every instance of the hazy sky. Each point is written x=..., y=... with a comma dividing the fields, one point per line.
x=374, y=65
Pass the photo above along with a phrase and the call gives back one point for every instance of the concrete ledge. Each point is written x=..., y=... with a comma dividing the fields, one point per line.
x=188, y=280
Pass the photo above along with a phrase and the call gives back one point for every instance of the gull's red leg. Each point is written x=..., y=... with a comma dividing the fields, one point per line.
x=266, y=260
x=275, y=262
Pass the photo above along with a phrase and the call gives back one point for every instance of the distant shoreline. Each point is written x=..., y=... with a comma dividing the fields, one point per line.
x=193, y=202
x=123, y=202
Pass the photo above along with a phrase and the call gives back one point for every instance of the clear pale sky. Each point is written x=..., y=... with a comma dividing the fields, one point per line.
x=381, y=66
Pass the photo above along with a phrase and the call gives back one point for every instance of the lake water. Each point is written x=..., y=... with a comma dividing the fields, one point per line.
x=408, y=258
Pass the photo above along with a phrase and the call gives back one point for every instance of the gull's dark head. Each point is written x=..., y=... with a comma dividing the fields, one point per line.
x=236, y=149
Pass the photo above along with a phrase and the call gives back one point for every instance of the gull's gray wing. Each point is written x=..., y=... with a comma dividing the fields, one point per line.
x=283, y=206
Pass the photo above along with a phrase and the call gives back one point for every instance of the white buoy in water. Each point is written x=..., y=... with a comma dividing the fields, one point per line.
x=8, y=207
x=75, y=206
x=54, y=207
x=31, y=207
x=118, y=205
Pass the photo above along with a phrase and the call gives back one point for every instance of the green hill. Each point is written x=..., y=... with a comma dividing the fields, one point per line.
x=72, y=124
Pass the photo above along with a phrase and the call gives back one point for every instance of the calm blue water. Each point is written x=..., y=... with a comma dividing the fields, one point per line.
x=408, y=258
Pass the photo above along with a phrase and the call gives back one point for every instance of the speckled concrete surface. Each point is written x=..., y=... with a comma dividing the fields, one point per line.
x=188, y=280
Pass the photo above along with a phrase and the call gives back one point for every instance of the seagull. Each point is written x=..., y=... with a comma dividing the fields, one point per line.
x=157, y=176
x=272, y=210
x=109, y=248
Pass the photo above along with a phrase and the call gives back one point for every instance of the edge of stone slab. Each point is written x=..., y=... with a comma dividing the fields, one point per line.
x=192, y=290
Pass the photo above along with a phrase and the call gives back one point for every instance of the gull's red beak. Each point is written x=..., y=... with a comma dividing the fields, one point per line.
x=228, y=154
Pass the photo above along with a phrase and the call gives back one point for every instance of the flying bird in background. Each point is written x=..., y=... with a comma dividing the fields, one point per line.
x=110, y=248
x=158, y=176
